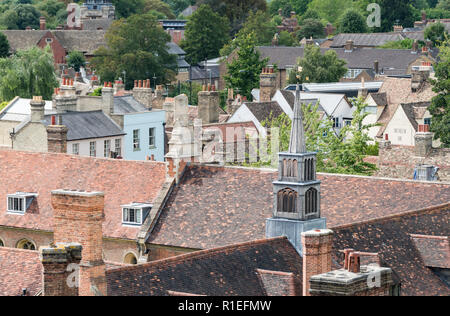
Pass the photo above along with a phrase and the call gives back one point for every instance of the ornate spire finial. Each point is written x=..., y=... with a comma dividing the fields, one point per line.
x=297, y=144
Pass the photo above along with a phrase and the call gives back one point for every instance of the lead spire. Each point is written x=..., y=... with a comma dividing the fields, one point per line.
x=297, y=144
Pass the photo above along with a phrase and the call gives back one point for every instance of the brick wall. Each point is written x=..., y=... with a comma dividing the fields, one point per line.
x=400, y=161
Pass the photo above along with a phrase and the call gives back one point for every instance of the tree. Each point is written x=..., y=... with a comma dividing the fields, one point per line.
x=178, y=6
x=4, y=46
x=395, y=11
x=311, y=28
x=28, y=73
x=126, y=8
x=285, y=39
x=261, y=25
x=317, y=67
x=435, y=33
x=330, y=10
x=190, y=89
x=159, y=6
x=206, y=33
x=352, y=22
x=440, y=104
x=244, y=71
x=138, y=47
x=76, y=60
x=235, y=10
x=21, y=16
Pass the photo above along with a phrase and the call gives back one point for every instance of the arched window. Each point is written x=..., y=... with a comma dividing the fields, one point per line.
x=311, y=201
x=26, y=244
x=2, y=244
x=130, y=259
x=284, y=168
x=295, y=168
x=287, y=200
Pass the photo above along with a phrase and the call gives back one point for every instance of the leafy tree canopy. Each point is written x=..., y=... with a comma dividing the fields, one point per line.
x=435, y=33
x=4, y=46
x=352, y=22
x=137, y=50
x=310, y=28
x=206, y=33
x=76, y=60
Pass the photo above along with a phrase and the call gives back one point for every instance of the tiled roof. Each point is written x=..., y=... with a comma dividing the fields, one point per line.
x=263, y=110
x=19, y=269
x=122, y=182
x=398, y=90
x=218, y=206
x=434, y=250
x=227, y=271
x=379, y=98
x=365, y=39
x=88, y=125
x=390, y=238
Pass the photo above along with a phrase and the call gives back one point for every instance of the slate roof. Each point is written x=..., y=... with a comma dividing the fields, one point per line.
x=19, y=110
x=412, y=110
x=127, y=104
x=263, y=110
x=96, y=24
x=218, y=206
x=379, y=98
x=175, y=49
x=391, y=61
x=200, y=73
x=122, y=182
x=226, y=271
x=390, y=238
x=365, y=39
x=19, y=269
x=87, y=125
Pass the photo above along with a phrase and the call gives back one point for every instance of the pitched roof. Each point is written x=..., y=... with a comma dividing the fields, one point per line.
x=19, y=269
x=434, y=250
x=127, y=104
x=380, y=98
x=122, y=182
x=217, y=206
x=87, y=125
x=398, y=90
x=390, y=238
x=19, y=109
x=365, y=39
x=391, y=61
x=226, y=271
x=263, y=110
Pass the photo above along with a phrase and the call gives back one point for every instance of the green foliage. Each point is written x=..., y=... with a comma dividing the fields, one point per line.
x=260, y=24
x=299, y=6
x=185, y=88
x=286, y=39
x=97, y=92
x=206, y=33
x=244, y=71
x=440, y=104
x=76, y=60
x=407, y=43
x=3, y=105
x=435, y=33
x=158, y=6
x=138, y=46
x=127, y=8
x=178, y=6
x=330, y=10
x=235, y=10
x=395, y=11
x=352, y=22
x=342, y=152
x=4, y=46
x=28, y=73
x=317, y=67
x=20, y=16
x=310, y=28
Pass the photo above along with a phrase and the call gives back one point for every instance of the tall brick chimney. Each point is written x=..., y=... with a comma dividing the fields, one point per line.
x=349, y=45
x=60, y=275
x=423, y=141
x=267, y=85
x=42, y=23
x=57, y=136
x=78, y=217
x=108, y=98
x=208, y=105
x=65, y=97
x=37, y=109
x=317, y=246
x=143, y=92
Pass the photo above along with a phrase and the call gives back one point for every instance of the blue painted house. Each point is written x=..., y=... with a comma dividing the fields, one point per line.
x=144, y=135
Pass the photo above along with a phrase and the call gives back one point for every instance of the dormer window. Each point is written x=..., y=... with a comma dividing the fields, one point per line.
x=135, y=213
x=20, y=202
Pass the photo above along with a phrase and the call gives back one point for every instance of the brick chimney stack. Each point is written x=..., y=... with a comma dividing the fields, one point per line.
x=353, y=279
x=37, y=109
x=57, y=136
x=349, y=45
x=158, y=100
x=108, y=98
x=142, y=92
x=267, y=84
x=423, y=141
x=208, y=105
x=65, y=98
x=60, y=275
x=42, y=23
x=317, y=246
x=78, y=217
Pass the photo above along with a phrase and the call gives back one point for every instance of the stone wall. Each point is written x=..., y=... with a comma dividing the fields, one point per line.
x=400, y=161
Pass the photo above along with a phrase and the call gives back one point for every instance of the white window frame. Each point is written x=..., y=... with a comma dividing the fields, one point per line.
x=118, y=146
x=76, y=149
x=138, y=209
x=106, y=148
x=151, y=138
x=94, y=149
x=19, y=196
x=136, y=140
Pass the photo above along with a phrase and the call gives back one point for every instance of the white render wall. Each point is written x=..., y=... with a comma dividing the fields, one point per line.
x=84, y=146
